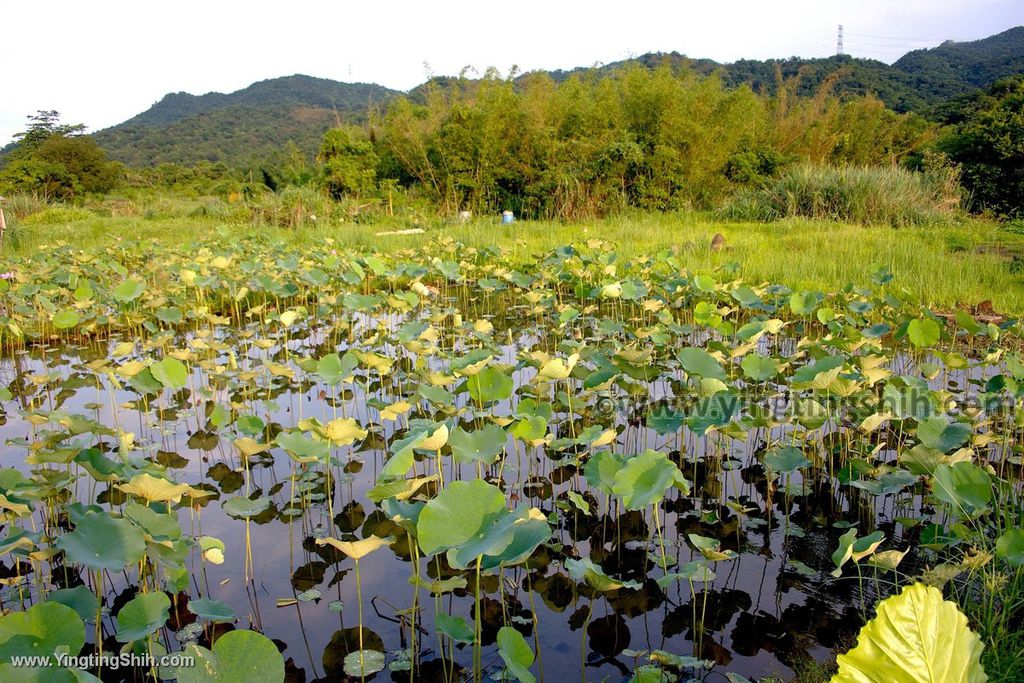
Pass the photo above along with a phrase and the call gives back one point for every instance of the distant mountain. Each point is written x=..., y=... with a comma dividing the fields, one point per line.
x=918, y=81
x=258, y=122
x=240, y=127
x=850, y=75
x=954, y=69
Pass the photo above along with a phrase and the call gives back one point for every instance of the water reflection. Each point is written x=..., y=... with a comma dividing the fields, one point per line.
x=772, y=610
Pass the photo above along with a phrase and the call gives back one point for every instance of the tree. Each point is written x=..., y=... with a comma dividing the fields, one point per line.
x=52, y=160
x=43, y=125
x=989, y=146
x=349, y=162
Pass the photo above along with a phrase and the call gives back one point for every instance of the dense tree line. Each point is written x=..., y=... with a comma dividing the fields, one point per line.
x=594, y=144
x=583, y=145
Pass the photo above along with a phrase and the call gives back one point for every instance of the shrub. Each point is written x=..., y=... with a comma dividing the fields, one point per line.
x=57, y=215
x=853, y=194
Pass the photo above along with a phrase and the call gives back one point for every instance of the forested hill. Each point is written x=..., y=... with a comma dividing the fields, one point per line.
x=954, y=69
x=250, y=124
x=260, y=121
x=918, y=81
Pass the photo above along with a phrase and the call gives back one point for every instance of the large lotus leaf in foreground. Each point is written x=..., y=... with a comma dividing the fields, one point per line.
x=237, y=657
x=458, y=514
x=516, y=653
x=40, y=630
x=915, y=637
x=100, y=541
x=643, y=479
x=143, y=614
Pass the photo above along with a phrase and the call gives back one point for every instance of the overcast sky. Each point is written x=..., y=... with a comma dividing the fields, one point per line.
x=101, y=62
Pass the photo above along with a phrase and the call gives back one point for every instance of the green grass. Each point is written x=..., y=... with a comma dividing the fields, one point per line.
x=874, y=195
x=944, y=266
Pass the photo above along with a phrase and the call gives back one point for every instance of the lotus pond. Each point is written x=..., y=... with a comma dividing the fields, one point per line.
x=461, y=464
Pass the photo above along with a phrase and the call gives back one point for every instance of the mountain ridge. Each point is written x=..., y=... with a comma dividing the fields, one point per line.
x=264, y=119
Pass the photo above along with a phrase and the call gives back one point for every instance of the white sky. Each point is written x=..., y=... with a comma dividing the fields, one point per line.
x=102, y=62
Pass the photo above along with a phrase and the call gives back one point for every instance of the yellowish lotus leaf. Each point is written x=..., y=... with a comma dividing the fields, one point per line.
x=541, y=357
x=214, y=556
x=393, y=411
x=557, y=368
x=278, y=370
x=438, y=379
x=915, y=637
x=635, y=355
x=607, y=436
x=436, y=440
x=152, y=488
x=19, y=509
x=612, y=291
x=375, y=361
x=840, y=386
x=195, y=493
x=474, y=368
x=181, y=354
x=123, y=349
x=356, y=549
x=250, y=447
x=960, y=455
x=857, y=556
x=888, y=559
x=873, y=421
x=126, y=442
x=875, y=375
x=942, y=573
x=343, y=431
x=131, y=368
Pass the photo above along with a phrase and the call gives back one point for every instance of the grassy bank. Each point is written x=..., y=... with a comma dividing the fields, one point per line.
x=945, y=267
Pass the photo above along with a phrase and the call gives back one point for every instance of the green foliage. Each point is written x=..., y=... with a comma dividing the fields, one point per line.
x=989, y=145
x=954, y=68
x=855, y=194
x=601, y=142
x=236, y=657
x=660, y=132
x=43, y=125
x=53, y=161
x=142, y=615
x=349, y=162
x=254, y=124
x=41, y=630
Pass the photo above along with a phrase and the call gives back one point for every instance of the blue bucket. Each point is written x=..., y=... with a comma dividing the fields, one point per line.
x=507, y=218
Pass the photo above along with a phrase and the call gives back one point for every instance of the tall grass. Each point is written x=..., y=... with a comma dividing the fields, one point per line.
x=943, y=265
x=854, y=194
